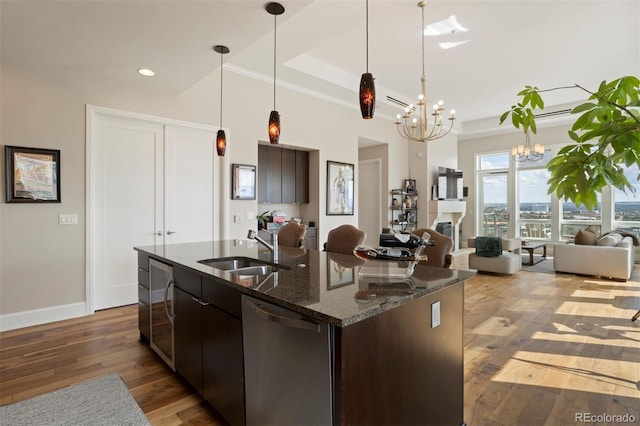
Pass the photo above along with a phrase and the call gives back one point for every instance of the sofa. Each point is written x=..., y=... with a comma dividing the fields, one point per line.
x=610, y=255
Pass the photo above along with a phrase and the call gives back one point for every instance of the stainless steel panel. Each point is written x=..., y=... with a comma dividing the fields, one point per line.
x=162, y=310
x=287, y=364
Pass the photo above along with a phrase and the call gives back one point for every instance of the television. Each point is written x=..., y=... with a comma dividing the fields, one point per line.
x=449, y=184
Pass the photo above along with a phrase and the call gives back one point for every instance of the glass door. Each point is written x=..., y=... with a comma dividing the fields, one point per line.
x=494, y=205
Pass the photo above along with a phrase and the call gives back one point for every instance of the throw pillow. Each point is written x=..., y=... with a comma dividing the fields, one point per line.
x=610, y=240
x=488, y=246
x=586, y=236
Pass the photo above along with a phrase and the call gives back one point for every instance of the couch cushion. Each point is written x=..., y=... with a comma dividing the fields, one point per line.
x=586, y=236
x=609, y=240
x=488, y=246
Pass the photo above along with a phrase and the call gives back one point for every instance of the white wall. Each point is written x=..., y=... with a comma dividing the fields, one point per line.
x=42, y=264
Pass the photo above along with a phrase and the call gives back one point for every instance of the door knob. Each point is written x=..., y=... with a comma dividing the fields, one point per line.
x=171, y=232
x=159, y=233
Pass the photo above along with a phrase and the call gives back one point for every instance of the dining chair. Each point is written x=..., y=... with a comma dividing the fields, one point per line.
x=292, y=235
x=344, y=239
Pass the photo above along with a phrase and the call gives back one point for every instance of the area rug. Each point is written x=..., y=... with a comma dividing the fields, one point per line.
x=102, y=401
x=545, y=267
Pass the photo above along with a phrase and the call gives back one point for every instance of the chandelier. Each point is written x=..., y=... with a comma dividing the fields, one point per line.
x=416, y=128
x=525, y=153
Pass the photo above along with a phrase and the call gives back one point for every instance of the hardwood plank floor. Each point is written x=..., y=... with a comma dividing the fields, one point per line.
x=539, y=349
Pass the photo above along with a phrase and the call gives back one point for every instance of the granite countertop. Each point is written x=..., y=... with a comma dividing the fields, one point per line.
x=324, y=286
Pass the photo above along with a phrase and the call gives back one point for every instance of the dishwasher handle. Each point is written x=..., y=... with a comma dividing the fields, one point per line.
x=285, y=321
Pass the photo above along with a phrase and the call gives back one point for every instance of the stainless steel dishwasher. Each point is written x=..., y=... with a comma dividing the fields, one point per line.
x=287, y=365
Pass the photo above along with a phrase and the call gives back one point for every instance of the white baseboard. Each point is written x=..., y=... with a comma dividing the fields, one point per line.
x=42, y=316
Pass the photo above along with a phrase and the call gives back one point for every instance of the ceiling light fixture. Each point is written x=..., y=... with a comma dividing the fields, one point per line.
x=525, y=153
x=367, y=94
x=221, y=138
x=146, y=72
x=274, y=9
x=416, y=128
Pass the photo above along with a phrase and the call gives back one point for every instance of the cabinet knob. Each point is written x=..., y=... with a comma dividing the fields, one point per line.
x=171, y=232
x=159, y=233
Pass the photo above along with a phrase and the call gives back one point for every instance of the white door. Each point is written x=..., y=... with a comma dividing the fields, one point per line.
x=369, y=199
x=151, y=184
x=191, y=185
x=127, y=205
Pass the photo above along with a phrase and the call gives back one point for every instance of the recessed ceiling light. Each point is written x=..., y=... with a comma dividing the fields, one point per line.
x=446, y=26
x=146, y=72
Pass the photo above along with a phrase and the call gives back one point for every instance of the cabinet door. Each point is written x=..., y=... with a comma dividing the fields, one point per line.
x=223, y=372
x=274, y=175
x=262, y=173
x=302, y=177
x=188, y=338
x=288, y=175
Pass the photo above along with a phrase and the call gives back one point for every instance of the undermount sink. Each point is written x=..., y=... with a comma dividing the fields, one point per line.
x=253, y=270
x=230, y=263
x=242, y=265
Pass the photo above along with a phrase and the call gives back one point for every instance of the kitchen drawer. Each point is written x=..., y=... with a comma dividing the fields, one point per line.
x=143, y=261
x=188, y=281
x=143, y=294
x=220, y=295
x=144, y=319
x=143, y=277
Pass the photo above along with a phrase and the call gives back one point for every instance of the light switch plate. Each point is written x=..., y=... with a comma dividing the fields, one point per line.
x=435, y=314
x=68, y=219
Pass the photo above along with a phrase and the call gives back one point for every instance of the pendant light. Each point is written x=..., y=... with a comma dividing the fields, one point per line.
x=274, y=9
x=367, y=87
x=221, y=138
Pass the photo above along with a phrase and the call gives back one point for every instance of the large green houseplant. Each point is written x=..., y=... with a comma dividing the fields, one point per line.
x=606, y=135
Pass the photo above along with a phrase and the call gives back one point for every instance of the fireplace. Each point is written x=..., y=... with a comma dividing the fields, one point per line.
x=446, y=216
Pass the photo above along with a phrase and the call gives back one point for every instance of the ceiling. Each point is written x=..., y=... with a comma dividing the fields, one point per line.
x=321, y=46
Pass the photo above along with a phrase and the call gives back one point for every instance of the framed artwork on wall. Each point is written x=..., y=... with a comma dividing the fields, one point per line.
x=32, y=175
x=243, y=182
x=410, y=185
x=340, y=177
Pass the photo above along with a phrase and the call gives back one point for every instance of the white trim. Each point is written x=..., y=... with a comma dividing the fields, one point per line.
x=507, y=128
x=378, y=163
x=42, y=316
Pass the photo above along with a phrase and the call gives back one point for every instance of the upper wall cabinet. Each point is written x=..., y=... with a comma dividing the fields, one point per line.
x=283, y=175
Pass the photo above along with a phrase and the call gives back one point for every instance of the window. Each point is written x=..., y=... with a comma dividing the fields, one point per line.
x=626, y=206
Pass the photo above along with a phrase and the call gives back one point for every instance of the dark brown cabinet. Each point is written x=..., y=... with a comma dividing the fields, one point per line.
x=288, y=183
x=144, y=297
x=208, y=342
x=188, y=327
x=302, y=177
x=283, y=175
x=274, y=175
x=223, y=368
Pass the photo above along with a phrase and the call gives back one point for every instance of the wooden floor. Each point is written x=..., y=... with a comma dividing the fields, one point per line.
x=539, y=349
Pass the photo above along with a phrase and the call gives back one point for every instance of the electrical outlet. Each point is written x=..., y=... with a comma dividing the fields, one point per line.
x=250, y=215
x=435, y=314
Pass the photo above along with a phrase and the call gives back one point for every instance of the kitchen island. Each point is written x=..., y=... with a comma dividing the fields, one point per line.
x=307, y=340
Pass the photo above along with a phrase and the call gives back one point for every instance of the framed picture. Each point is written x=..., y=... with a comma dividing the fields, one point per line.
x=410, y=185
x=339, y=188
x=338, y=275
x=32, y=175
x=243, y=182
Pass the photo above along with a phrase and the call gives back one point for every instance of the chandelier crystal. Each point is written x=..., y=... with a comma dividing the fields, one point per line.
x=525, y=152
x=413, y=124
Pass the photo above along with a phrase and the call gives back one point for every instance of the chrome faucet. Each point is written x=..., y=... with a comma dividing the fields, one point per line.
x=273, y=247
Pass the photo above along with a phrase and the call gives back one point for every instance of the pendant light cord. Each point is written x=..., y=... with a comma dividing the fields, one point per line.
x=422, y=31
x=367, y=33
x=275, y=26
x=221, y=55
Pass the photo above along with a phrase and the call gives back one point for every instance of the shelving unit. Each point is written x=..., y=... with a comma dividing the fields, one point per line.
x=404, y=210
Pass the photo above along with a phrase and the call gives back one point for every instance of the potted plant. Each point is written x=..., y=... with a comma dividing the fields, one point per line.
x=605, y=135
x=263, y=218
